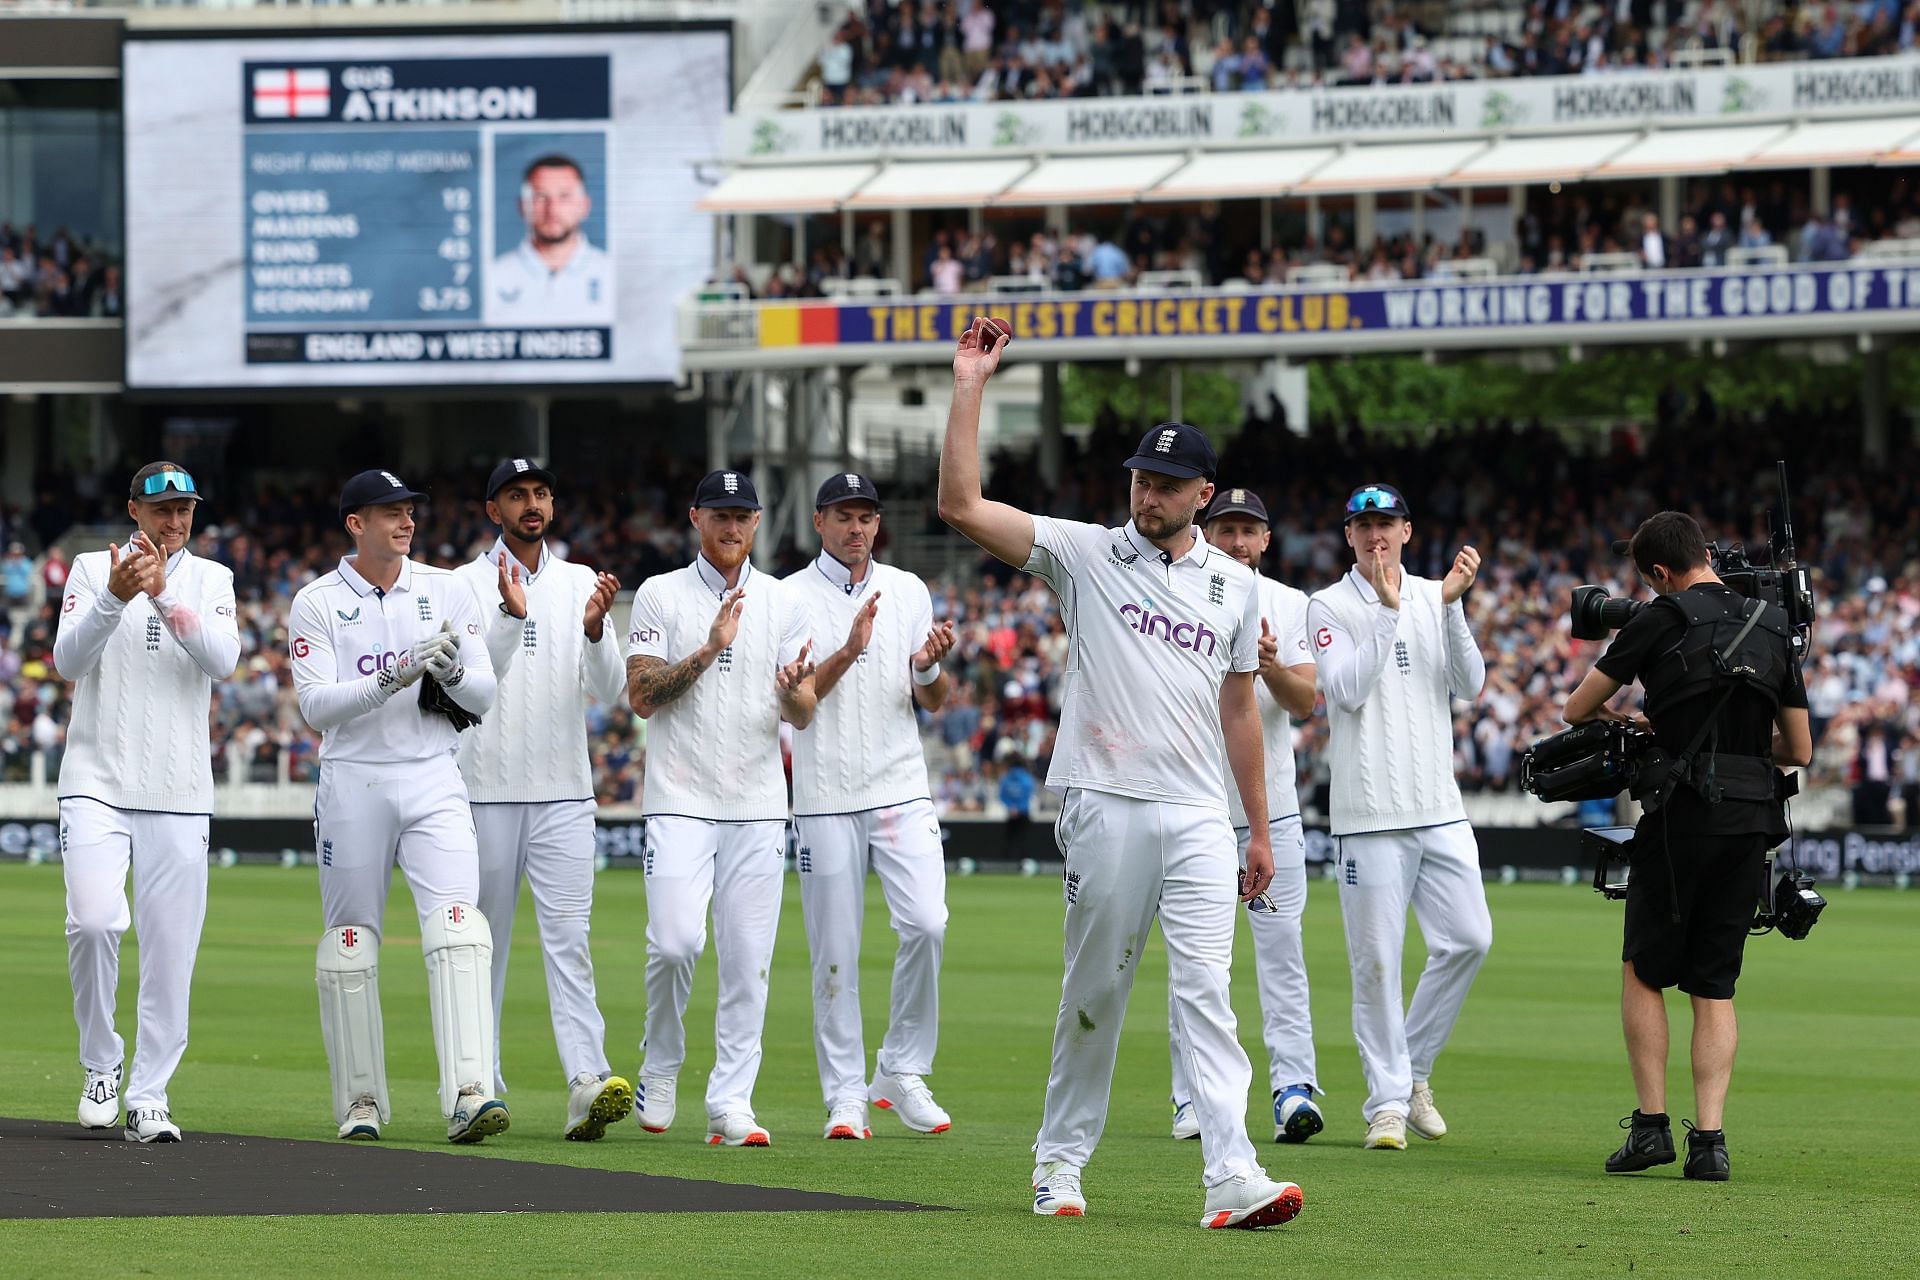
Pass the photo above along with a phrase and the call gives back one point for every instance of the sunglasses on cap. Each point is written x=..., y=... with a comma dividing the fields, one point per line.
x=1372, y=500
x=161, y=481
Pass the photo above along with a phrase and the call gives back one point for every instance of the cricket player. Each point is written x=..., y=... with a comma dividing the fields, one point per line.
x=390, y=791
x=1164, y=642
x=1393, y=651
x=860, y=797
x=526, y=770
x=717, y=657
x=556, y=275
x=145, y=629
x=1237, y=524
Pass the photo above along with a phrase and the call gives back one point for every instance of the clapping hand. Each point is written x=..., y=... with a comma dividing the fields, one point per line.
x=796, y=673
x=1466, y=567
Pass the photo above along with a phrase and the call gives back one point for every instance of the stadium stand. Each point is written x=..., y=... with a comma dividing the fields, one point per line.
x=999, y=50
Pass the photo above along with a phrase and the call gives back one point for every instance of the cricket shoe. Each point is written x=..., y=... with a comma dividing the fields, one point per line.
x=593, y=1103
x=1296, y=1117
x=1706, y=1155
x=1649, y=1143
x=1186, y=1122
x=1251, y=1200
x=1387, y=1132
x=151, y=1124
x=736, y=1129
x=908, y=1097
x=1056, y=1191
x=1422, y=1117
x=477, y=1115
x=653, y=1103
x=848, y=1120
x=100, y=1099
x=363, y=1120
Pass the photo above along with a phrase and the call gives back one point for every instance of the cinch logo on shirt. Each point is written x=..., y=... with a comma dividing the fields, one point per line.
x=372, y=662
x=1182, y=635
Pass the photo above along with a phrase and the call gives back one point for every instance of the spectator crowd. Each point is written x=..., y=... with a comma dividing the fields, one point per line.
x=1542, y=511
x=1557, y=230
x=920, y=51
x=61, y=275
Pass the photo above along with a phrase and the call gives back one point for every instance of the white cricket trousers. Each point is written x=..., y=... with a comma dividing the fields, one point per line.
x=367, y=817
x=902, y=842
x=736, y=868
x=1436, y=870
x=1279, y=965
x=551, y=845
x=168, y=854
x=1127, y=861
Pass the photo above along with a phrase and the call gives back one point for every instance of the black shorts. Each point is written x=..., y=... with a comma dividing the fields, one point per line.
x=1718, y=879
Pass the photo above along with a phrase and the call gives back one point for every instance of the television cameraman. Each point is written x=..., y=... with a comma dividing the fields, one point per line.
x=1698, y=854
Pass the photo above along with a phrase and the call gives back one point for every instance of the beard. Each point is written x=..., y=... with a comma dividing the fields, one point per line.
x=1163, y=526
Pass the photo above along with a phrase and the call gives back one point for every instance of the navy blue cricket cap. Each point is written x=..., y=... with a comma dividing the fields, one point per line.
x=846, y=486
x=1175, y=449
x=1237, y=502
x=1381, y=498
x=727, y=489
x=374, y=488
x=514, y=469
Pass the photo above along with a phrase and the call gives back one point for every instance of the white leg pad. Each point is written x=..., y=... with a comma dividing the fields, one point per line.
x=348, y=975
x=459, y=953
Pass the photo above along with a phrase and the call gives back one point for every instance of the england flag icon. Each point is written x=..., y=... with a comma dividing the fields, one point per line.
x=288, y=93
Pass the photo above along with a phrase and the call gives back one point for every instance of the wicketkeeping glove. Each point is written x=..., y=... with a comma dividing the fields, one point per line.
x=435, y=700
x=411, y=663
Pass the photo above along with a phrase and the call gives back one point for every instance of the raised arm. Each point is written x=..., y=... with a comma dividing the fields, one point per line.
x=1004, y=532
x=1350, y=665
x=210, y=634
x=88, y=615
x=603, y=674
x=652, y=680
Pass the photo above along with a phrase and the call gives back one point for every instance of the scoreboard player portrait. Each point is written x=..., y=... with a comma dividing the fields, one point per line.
x=555, y=273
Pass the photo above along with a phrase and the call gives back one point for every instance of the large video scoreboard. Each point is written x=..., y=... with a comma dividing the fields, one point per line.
x=400, y=210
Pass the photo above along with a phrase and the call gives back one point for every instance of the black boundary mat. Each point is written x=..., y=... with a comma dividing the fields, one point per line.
x=56, y=1170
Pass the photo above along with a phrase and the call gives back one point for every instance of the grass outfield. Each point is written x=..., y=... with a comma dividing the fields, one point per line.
x=1822, y=1122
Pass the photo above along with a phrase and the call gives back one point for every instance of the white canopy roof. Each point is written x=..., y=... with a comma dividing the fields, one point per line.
x=1105, y=179
x=1835, y=142
x=1393, y=166
x=1229, y=175
x=1690, y=151
x=797, y=188
x=1550, y=158
x=938, y=184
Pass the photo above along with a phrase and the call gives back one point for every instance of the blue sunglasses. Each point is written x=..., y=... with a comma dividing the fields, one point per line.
x=1372, y=500
x=161, y=481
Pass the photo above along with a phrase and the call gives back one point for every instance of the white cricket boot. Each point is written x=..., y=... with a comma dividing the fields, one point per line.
x=100, y=1099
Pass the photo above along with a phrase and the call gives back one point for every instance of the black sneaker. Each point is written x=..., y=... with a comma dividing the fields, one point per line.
x=1706, y=1154
x=1649, y=1142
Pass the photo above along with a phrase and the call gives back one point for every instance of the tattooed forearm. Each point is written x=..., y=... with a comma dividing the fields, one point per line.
x=652, y=684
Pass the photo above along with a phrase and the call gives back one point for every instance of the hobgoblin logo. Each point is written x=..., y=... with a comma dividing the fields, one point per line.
x=1181, y=635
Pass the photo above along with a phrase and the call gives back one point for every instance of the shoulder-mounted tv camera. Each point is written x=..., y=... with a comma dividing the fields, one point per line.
x=1772, y=575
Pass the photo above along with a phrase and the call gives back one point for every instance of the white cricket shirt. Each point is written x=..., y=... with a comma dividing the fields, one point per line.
x=1390, y=677
x=1150, y=639
x=521, y=290
x=862, y=750
x=143, y=674
x=714, y=752
x=1284, y=610
x=532, y=747
x=344, y=632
